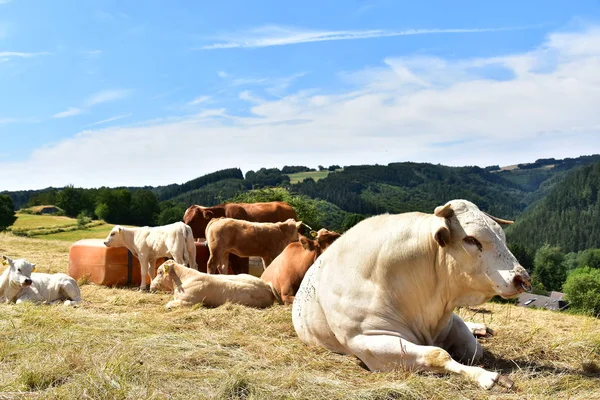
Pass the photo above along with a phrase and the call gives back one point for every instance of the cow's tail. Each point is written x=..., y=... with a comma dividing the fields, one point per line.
x=275, y=293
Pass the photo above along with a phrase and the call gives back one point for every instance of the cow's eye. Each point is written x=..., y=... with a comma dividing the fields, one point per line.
x=19, y=270
x=473, y=242
x=112, y=234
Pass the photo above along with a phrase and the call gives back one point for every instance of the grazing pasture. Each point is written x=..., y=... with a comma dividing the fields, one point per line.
x=300, y=176
x=122, y=344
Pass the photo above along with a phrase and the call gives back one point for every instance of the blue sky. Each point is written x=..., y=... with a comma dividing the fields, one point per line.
x=108, y=93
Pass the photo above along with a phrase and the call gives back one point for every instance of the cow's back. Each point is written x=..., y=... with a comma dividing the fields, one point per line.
x=288, y=269
x=274, y=211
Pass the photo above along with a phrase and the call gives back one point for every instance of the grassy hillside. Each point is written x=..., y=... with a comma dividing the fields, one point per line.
x=123, y=344
x=300, y=176
x=567, y=216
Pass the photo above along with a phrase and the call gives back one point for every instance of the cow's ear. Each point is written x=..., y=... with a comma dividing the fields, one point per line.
x=119, y=229
x=33, y=267
x=441, y=232
x=6, y=260
x=444, y=211
x=307, y=243
x=207, y=214
x=298, y=224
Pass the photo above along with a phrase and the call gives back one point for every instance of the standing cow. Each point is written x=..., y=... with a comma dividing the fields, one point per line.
x=287, y=270
x=386, y=290
x=151, y=243
x=197, y=217
x=246, y=239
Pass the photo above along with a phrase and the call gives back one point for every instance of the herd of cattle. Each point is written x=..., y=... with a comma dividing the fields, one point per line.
x=385, y=291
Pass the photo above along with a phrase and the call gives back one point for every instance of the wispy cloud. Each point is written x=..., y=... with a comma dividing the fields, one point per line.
x=13, y=54
x=93, y=53
x=4, y=2
x=7, y=120
x=69, y=112
x=199, y=100
x=278, y=36
x=111, y=119
x=107, y=95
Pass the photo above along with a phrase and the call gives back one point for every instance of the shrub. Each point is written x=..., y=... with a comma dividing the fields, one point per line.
x=582, y=290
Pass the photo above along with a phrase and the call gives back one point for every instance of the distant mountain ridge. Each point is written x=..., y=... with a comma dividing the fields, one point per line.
x=375, y=189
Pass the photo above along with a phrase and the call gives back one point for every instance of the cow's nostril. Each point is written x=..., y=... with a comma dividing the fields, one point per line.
x=522, y=282
x=27, y=282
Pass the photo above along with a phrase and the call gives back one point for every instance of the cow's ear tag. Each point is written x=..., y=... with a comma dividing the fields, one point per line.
x=33, y=268
x=166, y=268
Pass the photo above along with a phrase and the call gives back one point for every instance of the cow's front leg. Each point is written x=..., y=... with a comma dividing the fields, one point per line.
x=387, y=352
x=144, y=272
x=152, y=268
x=459, y=341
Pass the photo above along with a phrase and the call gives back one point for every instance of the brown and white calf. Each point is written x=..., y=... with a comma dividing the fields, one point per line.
x=151, y=243
x=193, y=287
x=247, y=239
x=287, y=270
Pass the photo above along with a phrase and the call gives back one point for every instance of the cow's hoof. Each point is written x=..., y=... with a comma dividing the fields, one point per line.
x=144, y=289
x=506, y=382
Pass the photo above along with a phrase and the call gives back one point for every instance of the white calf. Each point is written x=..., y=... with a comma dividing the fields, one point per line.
x=19, y=284
x=151, y=243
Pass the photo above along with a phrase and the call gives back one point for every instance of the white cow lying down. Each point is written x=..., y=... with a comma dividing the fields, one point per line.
x=151, y=243
x=18, y=283
x=386, y=290
x=192, y=287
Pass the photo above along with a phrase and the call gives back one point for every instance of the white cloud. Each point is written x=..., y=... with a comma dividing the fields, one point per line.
x=222, y=74
x=107, y=96
x=93, y=53
x=199, y=100
x=20, y=54
x=111, y=119
x=69, y=112
x=5, y=1
x=446, y=111
x=280, y=36
x=8, y=120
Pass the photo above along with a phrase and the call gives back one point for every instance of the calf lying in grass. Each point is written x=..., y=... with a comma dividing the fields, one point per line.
x=19, y=284
x=192, y=287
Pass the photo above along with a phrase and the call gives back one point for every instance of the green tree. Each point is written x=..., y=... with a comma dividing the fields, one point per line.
x=582, y=290
x=69, y=199
x=304, y=206
x=170, y=212
x=589, y=258
x=144, y=207
x=7, y=212
x=350, y=220
x=524, y=255
x=548, y=267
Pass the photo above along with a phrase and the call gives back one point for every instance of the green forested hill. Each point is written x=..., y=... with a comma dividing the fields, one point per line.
x=568, y=216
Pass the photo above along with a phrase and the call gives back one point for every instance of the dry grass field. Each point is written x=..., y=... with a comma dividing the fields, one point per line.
x=123, y=344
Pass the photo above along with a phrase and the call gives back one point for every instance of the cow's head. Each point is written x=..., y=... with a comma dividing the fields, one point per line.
x=164, y=277
x=115, y=237
x=323, y=240
x=197, y=217
x=479, y=257
x=20, y=270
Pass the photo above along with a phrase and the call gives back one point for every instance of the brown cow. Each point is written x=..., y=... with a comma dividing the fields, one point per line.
x=197, y=217
x=286, y=271
x=246, y=239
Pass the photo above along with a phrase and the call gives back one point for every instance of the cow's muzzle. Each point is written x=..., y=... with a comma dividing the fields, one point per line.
x=522, y=281
x=27, y=282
